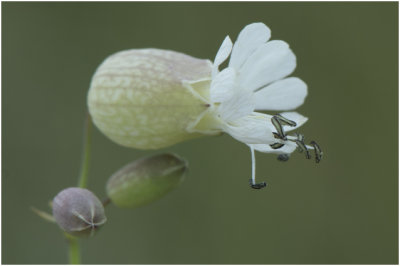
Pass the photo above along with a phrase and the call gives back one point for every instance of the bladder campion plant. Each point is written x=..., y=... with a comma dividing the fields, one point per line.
x=152, y=98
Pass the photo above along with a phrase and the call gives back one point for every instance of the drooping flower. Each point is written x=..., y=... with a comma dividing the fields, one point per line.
x=256, y=80
x=151, y=98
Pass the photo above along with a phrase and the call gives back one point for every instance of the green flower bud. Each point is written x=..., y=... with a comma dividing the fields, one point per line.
x=78, y=211
x=150, y=98
x=145, y=180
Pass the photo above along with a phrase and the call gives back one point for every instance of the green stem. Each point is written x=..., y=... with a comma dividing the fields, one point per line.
x=74, y=252
x=83, y=178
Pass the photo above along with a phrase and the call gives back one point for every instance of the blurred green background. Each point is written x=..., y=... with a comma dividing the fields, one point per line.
x=344, y=210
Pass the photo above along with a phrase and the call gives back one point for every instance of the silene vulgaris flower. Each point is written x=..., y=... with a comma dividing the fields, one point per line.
x=152, y=98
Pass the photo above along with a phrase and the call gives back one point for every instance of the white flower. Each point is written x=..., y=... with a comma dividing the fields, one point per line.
x=153, y=98
x=255, y=80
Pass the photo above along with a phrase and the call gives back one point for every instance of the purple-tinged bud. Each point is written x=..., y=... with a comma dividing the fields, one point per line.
x=78, y=211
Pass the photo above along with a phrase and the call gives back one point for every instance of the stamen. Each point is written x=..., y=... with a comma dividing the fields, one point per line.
x=275, y=121
x=283, y=157
x=292, y=138
x=258, y=186
x=253, y=165
x=300, y=137
x=252, y=181
x=299, y=140
x=303, y=147
x=278, y=120
x=285, y=121
x=318, y=151
x=276, y=135
x=276, y=145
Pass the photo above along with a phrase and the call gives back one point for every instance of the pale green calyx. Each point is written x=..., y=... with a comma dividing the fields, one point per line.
x=149, y=98
x=145, y=180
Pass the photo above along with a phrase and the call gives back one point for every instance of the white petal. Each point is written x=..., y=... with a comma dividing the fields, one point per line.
x=285, y=94
x=240, y=104
x=289, y=147
x=222, y=54
x=296, y=117
x=249, y=39
x=251, y=129
x=270, y=62
x=222, y=86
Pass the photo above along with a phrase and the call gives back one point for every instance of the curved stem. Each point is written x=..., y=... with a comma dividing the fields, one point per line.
x=83, y=178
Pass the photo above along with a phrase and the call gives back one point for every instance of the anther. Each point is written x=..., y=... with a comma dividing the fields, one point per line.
x=281, y=134
x=283, y=157
x=257, y=185
x=303, y=147
x=318, y=151
x=276, y=135
x=285, y=121
x=276, y=145
x=278, y=120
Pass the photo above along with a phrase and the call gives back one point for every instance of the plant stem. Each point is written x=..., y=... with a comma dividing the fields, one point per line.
x=83, y=178
x=74, y=252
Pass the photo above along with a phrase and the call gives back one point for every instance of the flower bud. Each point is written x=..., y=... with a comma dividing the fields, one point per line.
x=150, y=98
x=78, y=211
x=145, y=180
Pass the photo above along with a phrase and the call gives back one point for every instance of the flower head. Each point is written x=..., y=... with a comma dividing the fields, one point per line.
x=151, y=98
x=256, y=80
